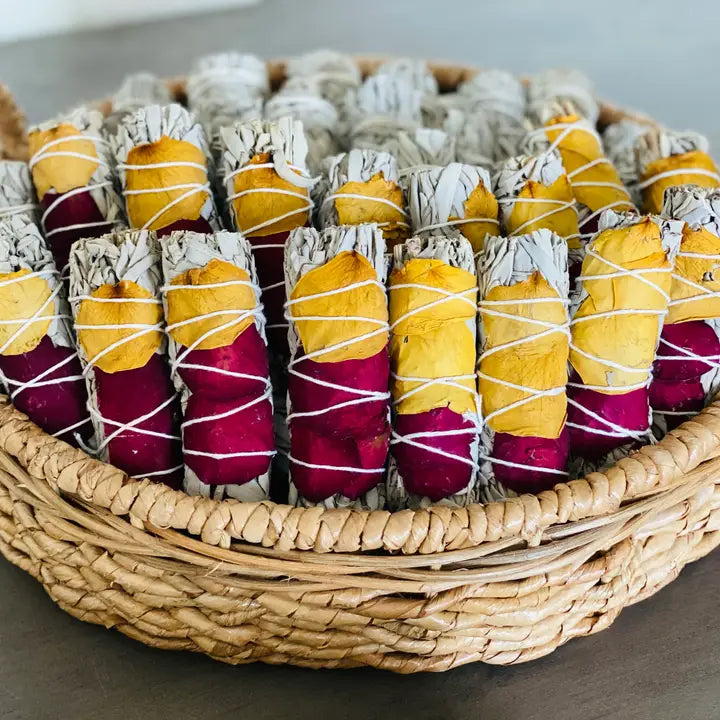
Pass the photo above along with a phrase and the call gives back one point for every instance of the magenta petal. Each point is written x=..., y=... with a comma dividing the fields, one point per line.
x=73, y=210
x=247, y=355
x=551, y=453
x=269, y=264
x=129, y=394
x=317, y=484
x=249, y=430
x=427, y=473
x=683, y=396
x=367, y=418
x=697, y=337
x=629, y=410
x=52, y=407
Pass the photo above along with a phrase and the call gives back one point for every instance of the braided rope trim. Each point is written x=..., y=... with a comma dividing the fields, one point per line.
x=646, y=472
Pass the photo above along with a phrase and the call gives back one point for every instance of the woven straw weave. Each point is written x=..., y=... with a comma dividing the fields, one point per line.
x=407, y=591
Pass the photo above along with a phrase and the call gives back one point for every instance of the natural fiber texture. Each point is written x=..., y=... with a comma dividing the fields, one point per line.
x=13, y=130
x=502, y=583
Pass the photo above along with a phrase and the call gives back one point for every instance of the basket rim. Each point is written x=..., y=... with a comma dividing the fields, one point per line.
x=648, y=471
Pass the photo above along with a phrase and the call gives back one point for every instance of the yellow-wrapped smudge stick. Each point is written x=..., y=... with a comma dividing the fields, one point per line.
x=595, y=182
x=533, y=193
x=362, y=186
x=433, y=295
x=40, y=370
x=666, y=158
x=685, y=373
x=617, y=316
x=115, y=285
x=522, y=364
x=339, y=365
x=164, y=166
x=218, y=360
x=457, y=196
x=72, y=170
x=267, y=185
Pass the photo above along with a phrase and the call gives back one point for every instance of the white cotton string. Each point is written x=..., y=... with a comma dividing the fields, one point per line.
x=43, y=154
x=522, y=466
x=562, y=205
x=131, y=426
x=454, y=223
x=676, y=172
x=616, y=430
x=382, y=201
x=178, y=363
x=39, y=380
x=9, y=210
x=705, y=293
x=404, y=172
x=335, y=468
x=450, y=381
x=363, y=396
x=192, y=188
x=63, y=198
x=685, y=354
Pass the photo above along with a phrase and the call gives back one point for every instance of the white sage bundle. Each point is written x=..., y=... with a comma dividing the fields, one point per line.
x=301, y=99
x=218, y=363
x=337, y=76
x=165, y=170
x=72, y=170
x=500, y=97
x=436, y=408
x=415, y=72
x=563, y=85
x=534, y=192
x=363, y=186
x=136, y=91
x=336, y=72
x=422, y=148
x=224, y=88
x=115, y=285
x=39, y=366
x=338, y=396
x=666, y=158
x=522, y=365
x=619, y=140
x=456, y=196
x=383, y=106
x=268, y=193
x=476, y=141
x=17, y=196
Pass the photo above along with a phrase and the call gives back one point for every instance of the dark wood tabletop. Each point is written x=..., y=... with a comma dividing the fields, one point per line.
x=661, y=658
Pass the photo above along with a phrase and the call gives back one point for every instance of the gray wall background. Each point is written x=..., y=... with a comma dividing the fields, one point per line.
x=660, y=56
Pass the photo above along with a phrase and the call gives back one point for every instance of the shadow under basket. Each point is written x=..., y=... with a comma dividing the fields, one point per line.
x=407, y=591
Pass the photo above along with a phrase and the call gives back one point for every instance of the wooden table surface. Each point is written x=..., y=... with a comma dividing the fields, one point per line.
x=660, y=660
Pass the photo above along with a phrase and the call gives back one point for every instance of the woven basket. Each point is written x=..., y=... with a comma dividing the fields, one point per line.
x=407, y=591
